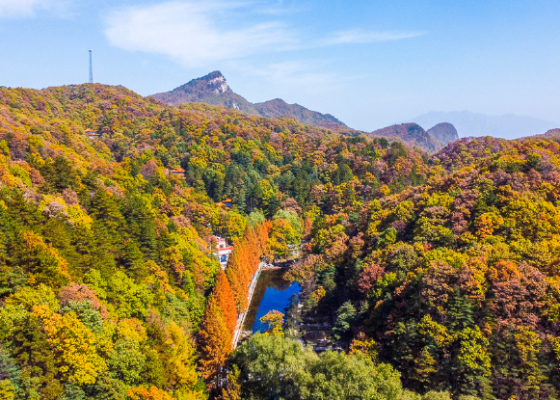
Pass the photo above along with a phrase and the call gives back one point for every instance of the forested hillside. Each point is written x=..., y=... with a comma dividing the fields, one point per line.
x=441, y=271
x=108, y=285
x=456, y=282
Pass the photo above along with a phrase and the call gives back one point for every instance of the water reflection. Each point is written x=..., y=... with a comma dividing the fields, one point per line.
x=273, y=292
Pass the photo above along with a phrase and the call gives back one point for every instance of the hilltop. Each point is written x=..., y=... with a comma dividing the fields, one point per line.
x=213, y=89
x=210, y=89
x=444, y=132
x=278, y=107
x=431, y=141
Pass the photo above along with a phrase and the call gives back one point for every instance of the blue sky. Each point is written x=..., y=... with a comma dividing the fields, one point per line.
x=369, y=63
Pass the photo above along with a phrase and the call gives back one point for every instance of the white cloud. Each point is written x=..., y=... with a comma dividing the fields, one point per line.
x=358, y=36
x=296, y=72
x=18, y=8
x=28, y=8
x=195, y=33
x=285, y=78
x=201, y=33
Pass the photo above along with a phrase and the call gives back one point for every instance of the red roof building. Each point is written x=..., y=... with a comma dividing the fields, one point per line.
x=223, y=250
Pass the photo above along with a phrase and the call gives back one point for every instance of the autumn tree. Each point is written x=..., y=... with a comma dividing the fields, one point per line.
x=233, y=389
x=215, y=342
x=274, y=320
x=152, y=393
x=225, y=300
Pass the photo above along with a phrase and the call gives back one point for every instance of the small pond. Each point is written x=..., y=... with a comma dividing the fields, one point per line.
x=273, y=292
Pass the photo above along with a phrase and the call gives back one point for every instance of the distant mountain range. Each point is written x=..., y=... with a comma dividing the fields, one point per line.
x=431, y=141
x=507, y=126
x=213, y=89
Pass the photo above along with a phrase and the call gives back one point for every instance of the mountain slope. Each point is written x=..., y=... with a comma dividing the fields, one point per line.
x=108, y=285
x=469, y=259
x=474, y=124
x=431, y=141
x=548, y=134
x=278, y=107
x=213, y=89
x=410, y=133
x=444, y=133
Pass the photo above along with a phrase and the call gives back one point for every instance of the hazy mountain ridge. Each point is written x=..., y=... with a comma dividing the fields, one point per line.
x=444, y=132
x=508, y=126
x=278, y=107
x=431, y=141
x=213, y=89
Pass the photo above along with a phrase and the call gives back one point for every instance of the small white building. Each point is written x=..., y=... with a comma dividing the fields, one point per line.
x=90, y=133
x=223, y=250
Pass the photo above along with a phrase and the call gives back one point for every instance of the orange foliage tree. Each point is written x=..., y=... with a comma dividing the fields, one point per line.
x=215, y=341
x=153, y=393
x=224, y=298
x=77, y=292
x=244, y=262
x=228, y=298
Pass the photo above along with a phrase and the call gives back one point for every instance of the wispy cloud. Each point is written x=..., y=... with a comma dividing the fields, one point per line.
x=29, y=8
x=298, y=73
x=309, y=76
x=201, y=33
x=359, y=36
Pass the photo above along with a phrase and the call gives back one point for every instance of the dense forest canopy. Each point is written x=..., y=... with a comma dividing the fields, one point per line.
x=441, y=270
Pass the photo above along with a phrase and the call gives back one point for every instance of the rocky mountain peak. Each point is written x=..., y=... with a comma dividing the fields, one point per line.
x=217, y=83
x=213, y=89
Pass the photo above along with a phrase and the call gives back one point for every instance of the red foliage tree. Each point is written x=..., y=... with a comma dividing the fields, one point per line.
x=77, y=292
x=368, y=277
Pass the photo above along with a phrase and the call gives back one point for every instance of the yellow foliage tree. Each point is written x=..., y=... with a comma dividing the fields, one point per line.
x=274, y=319
x=73, y=346
x=362, y=344
x=153, y=393
x=6, y=390
x=181, y=358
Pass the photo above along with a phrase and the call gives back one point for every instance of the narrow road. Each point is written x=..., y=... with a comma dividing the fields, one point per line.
x=242, y=316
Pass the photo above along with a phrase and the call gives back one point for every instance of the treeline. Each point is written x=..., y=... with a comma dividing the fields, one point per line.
x=227, y=300
x=269, y=366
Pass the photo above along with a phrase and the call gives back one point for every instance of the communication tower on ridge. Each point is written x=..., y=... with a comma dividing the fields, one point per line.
x=90, y=66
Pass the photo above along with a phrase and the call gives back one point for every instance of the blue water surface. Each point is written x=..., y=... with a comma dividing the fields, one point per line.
x=274, y=299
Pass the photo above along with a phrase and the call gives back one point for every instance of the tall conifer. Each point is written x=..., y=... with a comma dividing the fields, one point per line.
x=225, y=300
x=215, y=342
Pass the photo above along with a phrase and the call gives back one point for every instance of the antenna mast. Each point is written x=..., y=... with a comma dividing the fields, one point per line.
x=90, y=66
